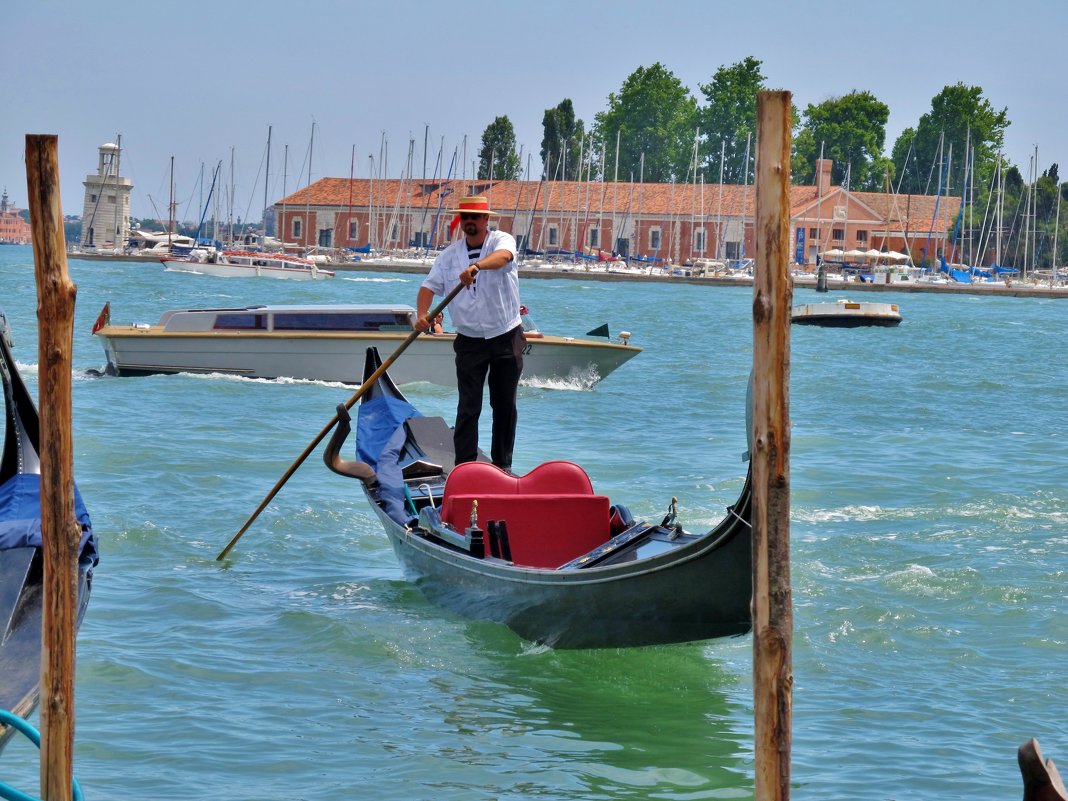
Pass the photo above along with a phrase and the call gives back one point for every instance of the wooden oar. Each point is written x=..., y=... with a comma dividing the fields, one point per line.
x=333, y=421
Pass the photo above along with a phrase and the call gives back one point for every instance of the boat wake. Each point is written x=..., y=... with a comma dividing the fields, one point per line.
x=577, y=381
x=76, y=374
x=281, y=380
x=372, y=280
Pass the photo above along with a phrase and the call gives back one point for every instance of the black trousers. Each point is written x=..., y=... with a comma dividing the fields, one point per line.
x=501, y=359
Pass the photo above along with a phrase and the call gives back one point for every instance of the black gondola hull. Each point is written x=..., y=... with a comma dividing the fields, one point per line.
x=700, y=591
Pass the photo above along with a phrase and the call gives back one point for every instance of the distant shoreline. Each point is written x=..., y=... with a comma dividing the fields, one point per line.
x=1000, y=290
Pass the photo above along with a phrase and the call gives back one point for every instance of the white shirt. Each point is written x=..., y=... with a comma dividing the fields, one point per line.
x=490, y=306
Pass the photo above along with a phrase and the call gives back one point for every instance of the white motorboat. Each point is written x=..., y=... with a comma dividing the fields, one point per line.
x=241, y=263
x=329, y=343
x=846, y=314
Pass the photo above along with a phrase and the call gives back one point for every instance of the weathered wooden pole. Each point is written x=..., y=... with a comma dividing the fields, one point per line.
x=59, y=527
x=772, y=604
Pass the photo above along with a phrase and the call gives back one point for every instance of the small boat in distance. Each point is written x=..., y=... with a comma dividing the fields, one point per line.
x=846, y=314
x=327, y=343
x=543, y=553
x=21, y=557
x=242, y=263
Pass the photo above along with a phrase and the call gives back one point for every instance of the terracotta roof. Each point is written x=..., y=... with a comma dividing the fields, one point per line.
x=599, y=198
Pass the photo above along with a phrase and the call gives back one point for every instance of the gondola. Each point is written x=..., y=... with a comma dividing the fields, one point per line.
x=542, y=553
x=21, y=558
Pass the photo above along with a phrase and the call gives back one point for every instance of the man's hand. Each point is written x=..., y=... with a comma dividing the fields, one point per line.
x=467, y=277
x=421, y=323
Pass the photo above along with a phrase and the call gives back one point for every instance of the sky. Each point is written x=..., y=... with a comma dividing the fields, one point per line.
x=202, y=82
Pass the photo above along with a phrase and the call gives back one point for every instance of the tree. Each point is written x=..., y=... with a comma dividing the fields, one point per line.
x=851, y=130
x=960, y=116
x=729, y=119
x=655, y=115
x=498, y=157
x=560, y=142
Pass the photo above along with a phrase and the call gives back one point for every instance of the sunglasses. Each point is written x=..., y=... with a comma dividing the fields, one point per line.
x=469, y=216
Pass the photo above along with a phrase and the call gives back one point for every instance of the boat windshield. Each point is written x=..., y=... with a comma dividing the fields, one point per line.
x=341, y=321
x=240, y=321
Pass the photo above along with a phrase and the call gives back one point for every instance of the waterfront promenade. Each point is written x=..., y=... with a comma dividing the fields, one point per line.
x=1017, y=289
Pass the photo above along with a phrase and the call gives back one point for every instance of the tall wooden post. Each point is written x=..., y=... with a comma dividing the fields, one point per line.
x=59, y=527
x=772, y=604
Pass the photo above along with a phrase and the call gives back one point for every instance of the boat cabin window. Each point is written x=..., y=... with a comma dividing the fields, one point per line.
x=340, y=321
x=240, y=321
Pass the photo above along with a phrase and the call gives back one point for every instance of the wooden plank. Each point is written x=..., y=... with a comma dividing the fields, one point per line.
x=772, y=604
x=59, y=526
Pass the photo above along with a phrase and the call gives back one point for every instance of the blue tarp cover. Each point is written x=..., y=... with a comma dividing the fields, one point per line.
x=378, y=419
x=380, y=438
x=20, y=515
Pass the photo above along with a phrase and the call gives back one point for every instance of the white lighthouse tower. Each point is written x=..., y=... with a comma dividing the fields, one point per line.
x=106, y=212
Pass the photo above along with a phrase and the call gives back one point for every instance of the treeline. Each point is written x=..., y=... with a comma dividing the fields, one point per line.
x=655, y=129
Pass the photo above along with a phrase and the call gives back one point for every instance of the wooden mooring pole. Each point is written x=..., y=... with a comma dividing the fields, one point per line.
x=772, y=603
x=59, y=527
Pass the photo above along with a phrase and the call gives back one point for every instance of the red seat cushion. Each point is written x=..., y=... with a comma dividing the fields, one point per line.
x=552, y=514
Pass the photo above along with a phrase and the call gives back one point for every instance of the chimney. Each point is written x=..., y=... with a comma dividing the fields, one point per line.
x=823, y=175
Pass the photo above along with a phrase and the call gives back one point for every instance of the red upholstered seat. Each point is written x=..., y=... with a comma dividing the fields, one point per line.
x=552, y=513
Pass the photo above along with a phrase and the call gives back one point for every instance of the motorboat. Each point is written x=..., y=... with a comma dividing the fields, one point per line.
x=846, y=314
x=327, y=343
x=243, y=263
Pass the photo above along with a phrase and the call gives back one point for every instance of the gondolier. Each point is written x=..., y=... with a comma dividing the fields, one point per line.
x=489, y=342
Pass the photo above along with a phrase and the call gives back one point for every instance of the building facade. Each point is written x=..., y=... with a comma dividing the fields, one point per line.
x=13, y=229
x=675, y=223
x=106, y=211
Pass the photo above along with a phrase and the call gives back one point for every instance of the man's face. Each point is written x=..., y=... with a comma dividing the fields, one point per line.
x=474, y=225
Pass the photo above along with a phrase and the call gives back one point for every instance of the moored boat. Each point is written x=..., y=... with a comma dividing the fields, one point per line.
x=846, y=314
x=327, y=343
x=241, y=263
x=543, y=553
x=21, y=557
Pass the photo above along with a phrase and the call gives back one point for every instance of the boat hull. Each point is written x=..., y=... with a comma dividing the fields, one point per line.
x=846, y=314
x=224, y=270
x=699, y=591
x=21, y=596
x=132, y=350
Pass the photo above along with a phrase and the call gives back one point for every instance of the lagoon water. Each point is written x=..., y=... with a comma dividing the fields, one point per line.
x=929, y=545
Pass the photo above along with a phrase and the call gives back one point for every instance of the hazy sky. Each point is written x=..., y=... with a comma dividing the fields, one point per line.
x=198, y=80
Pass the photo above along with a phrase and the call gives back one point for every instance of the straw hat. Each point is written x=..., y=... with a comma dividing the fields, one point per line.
x=475, y=204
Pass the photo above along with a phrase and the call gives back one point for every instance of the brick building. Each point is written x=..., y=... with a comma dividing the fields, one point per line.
x=678, y=223
x=13, y=229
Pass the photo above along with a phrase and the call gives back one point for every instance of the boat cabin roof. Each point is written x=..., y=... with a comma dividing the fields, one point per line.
x=338, y=317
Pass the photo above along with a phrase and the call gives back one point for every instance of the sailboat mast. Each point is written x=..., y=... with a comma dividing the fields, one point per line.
x=170, y=209
x=305, y=232
x=1056, y=227
x=1034, y=218
x=719, y=202
x=999, y=211
x=745, y=192
x=352, y=171
x=641, y=207
x=230, y=208
x=266, y=184
x=285, y=168
x=615, y=198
